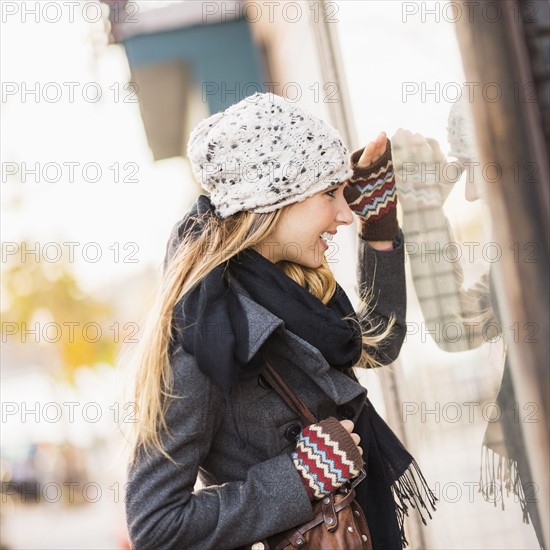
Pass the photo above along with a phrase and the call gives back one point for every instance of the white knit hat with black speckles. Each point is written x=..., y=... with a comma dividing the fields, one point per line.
x=263, y=153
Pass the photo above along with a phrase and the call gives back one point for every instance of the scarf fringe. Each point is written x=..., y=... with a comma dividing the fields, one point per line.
x=412, y=489
x=495, y=467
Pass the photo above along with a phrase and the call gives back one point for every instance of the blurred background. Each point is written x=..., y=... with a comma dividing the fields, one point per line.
x=98, y=99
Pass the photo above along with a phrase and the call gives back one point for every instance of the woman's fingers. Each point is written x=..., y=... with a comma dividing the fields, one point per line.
x=348, y=426
x=356, y=440
x=373, y=150
x=381, y=140
x=366, y=157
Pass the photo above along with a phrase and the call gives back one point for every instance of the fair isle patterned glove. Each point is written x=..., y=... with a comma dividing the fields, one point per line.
x=371, y=193
x=326, y=457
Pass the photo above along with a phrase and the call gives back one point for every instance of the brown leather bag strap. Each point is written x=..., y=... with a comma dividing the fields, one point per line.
x=288, y=395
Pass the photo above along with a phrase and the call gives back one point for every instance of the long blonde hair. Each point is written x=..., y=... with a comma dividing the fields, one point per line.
x=198, y=253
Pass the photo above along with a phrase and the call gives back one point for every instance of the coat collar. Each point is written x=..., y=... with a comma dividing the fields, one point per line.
x=261, y=324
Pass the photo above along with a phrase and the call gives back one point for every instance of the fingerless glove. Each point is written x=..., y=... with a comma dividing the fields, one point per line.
x=372, y=195
x=326, y=457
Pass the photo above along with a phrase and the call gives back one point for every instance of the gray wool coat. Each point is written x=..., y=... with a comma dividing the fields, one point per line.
x=251, y=491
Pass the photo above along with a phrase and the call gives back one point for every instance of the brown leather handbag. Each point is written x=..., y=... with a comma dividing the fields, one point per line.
x=339, y=522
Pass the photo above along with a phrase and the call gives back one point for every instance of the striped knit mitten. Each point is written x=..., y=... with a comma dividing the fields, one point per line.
x=326, y=457
x=372, y=195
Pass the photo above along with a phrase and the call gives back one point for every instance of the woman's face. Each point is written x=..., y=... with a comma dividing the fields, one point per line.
x=298, y=237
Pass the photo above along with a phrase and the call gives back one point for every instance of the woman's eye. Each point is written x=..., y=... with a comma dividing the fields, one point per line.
x=331, y=193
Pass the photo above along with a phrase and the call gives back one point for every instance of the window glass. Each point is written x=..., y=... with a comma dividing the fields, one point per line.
x=454, y=399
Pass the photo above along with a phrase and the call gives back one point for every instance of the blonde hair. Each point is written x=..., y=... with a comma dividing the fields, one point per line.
x=198, y=253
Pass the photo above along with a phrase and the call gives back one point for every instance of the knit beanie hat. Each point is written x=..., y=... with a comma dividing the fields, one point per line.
x=263, y=153
x=461, y=131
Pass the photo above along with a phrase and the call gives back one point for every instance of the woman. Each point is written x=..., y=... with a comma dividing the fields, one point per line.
x=246, y=283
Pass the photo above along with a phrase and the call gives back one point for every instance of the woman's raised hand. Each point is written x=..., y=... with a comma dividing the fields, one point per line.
x=371, y=191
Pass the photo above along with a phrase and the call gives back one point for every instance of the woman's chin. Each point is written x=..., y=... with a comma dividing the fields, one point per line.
x=313, y=263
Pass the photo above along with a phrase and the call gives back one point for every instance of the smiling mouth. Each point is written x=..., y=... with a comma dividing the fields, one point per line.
x=324, y=237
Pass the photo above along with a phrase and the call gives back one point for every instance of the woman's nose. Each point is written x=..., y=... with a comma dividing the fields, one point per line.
x=344, y=214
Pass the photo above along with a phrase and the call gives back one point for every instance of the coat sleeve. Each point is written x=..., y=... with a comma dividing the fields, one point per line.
x=163, y=509
x=381, y=277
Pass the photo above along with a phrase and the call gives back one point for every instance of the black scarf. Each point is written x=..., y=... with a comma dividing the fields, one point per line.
x=217, y=336
x=208, y=322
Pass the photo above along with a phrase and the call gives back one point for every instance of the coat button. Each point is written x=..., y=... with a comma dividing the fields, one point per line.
x=263, y=382
x=293, y=431
x=345, y=412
